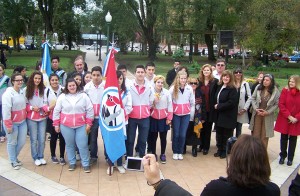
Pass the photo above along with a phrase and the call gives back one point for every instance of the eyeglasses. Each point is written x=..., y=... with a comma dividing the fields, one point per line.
x=19, y=80
x=238, y=72
x=193, y=83
x=221, y=64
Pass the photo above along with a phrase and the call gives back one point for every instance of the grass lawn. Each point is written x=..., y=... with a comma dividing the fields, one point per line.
x=30, y=58
x=165, y=63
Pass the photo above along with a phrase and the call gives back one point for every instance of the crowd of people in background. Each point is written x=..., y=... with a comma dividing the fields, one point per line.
x=154, y=104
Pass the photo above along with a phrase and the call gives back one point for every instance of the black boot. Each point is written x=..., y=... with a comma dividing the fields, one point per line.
x=194, y=151
x=283, y=147
x=292, y=147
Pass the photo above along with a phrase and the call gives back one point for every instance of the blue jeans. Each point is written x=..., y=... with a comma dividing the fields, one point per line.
x=76, y=136
x=37, y=130
x=180, y=125
x=93, y=139
x=2, y=131
x=143, y=128
x=16, y=140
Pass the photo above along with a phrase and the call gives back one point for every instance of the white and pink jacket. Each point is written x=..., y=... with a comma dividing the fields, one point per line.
x=95, y=94
x=13, y=107
x=37, y=101
x=73, y=110
x=142, y=99
x=51, y=96
x=185, y=101
x=163, y=108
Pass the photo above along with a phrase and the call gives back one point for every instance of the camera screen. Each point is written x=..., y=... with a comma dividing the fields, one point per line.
x=134, y=164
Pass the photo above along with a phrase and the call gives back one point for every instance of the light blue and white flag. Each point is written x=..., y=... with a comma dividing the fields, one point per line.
x=46, y=64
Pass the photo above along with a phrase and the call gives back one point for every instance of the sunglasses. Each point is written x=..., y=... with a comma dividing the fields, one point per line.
x=221, y=64
x=193, y=83
x=238, y=72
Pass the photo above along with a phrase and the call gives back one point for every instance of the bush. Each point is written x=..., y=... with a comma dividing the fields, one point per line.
x=178, y=54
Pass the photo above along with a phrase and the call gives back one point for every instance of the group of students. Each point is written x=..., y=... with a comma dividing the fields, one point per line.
x=69, y=110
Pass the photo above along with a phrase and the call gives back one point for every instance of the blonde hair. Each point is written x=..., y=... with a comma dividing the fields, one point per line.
x=201, y=75
x=231, y=82
x=297, y=81
x=176, y=83
x=159, y=77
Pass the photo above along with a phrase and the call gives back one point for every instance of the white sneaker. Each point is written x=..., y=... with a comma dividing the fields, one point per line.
x=43, y=161
x=111, y=169
x=121, y=169
x=180, y=157
x=175, y=156
x=37, y=162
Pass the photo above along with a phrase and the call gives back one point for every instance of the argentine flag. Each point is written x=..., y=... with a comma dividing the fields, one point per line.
x=46, y=64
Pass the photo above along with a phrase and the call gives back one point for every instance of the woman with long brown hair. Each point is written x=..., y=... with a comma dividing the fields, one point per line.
x=36, y=116
x=264, y=103
x=208, y=85
x=226, y=106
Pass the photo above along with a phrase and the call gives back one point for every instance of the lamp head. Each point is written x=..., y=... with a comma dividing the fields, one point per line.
x=108, y=17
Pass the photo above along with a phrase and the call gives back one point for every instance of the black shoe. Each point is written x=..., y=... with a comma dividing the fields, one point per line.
x=223, y=156
x=217, y=154
x=205, y=152
x=199, y=149
x=289, y=163
x=194, y=152
x=281, y=161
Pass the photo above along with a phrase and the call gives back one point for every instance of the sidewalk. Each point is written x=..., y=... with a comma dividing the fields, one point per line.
x=193, y=173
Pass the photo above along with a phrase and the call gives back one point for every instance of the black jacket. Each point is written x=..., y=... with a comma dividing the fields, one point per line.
x=226, y=113
x=171, y=76
x=213, y=85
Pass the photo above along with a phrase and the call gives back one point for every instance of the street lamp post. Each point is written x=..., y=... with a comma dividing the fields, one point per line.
x=97, y=43
x=99, y=59
x=108, y=19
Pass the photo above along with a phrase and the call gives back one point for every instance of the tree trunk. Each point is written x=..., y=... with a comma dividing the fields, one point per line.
x=210, y=47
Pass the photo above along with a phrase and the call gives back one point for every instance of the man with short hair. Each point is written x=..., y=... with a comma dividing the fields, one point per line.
x=150, y=73
x=220, y=67
x=79, y=67
x=58, y=71
x=94, y=89
x=142, y=99
x=172, y=73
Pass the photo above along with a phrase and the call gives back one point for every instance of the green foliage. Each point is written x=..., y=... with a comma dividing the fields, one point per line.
x=178, y=54
x=196, y=66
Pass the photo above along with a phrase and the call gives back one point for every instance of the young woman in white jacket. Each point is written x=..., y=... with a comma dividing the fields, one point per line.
x=73, y=116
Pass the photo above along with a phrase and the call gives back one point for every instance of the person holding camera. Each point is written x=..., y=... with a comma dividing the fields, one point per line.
x=248, y=173
x=287, y=122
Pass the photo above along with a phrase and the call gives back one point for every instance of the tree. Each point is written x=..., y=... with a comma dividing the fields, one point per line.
x=46, y=8
x=16, y=17
x=146, y=13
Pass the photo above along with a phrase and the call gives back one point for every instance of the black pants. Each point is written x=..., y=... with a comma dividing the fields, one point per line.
x=205, y=135
x=222, y=135
x=238, y=129
x=163, y=141
x=53, y=140
x=284, y=140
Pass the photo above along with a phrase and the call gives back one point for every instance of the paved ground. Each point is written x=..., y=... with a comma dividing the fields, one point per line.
x=8, y=188
x=191, y=173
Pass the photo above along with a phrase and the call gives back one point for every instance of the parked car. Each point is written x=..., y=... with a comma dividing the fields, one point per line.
x=239, y=55
x=58, y=46
x=92, y=47
x=134, y=49
x=296, y=58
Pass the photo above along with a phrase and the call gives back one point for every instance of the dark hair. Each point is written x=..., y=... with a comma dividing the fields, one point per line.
x=123, y=86
x=176, y=61
x=139, y=66
x=97, y=68
x=82, y=79
x=272, y=85
x=18, y=69
x=2, y=66
x=150, y=64
x=53, y=75
x=69, y=80
x=121, y=66
x=38, y=65
x=55, y=57
x=30, y=85
x=13, y=77
x=249, y=163
x=184, y=67
x=231, y=83
x=221, y=61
